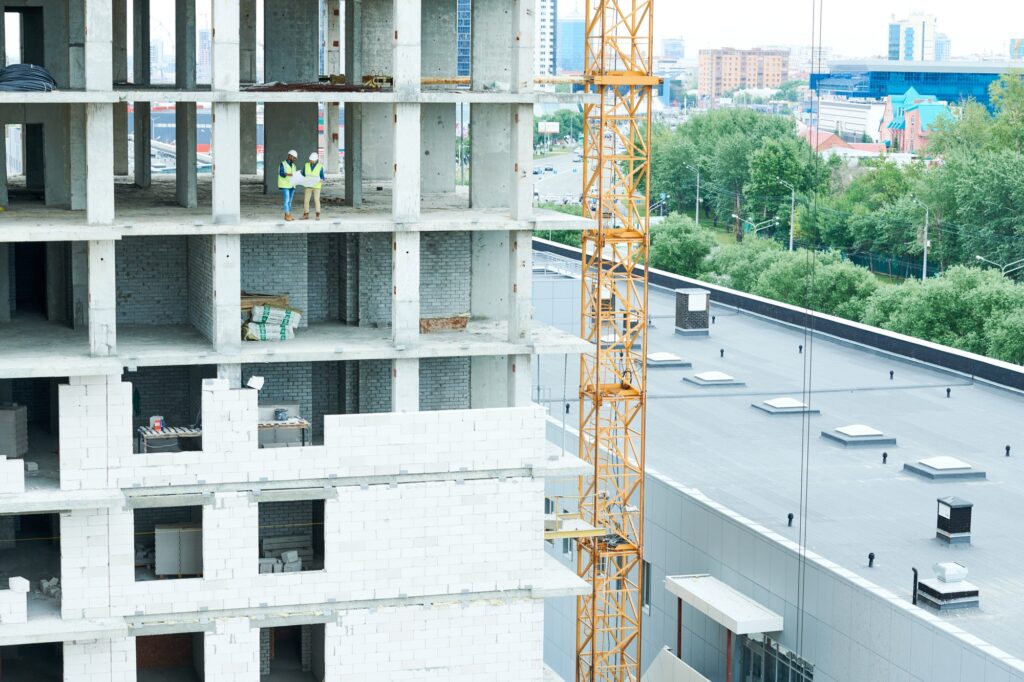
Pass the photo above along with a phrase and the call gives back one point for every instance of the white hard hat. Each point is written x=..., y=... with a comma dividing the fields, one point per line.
x=314, y=157
x=292, y=152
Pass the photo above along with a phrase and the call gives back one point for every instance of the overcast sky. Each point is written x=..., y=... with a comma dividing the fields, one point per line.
x=853, y=28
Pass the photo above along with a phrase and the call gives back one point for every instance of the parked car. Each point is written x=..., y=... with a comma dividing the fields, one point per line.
x=538, y=170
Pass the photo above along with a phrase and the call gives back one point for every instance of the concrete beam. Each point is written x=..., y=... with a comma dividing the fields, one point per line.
x=99, y=127
x=227, y=164
x=102, y=299
x=227, y=287
x=226, y=46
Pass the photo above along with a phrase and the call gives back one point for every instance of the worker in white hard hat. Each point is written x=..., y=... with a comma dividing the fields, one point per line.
x=286, y=183
x=313, y=169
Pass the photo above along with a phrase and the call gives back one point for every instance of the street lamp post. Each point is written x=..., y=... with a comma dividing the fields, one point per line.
x=924, y=263
x=792, y=210
x=1006, y=269
x=757, y=227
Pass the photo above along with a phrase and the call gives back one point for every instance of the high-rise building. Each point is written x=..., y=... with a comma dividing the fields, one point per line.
x=464, y=40
x=546, y=37
x=943, y=48
x=673, y=48
x=913, y=38
x=726, y=70
x=1017, y=48
x=569, y=44
x=203, y=55
x=355, y=490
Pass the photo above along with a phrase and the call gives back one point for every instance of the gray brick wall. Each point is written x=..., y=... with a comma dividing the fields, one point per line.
x=165, y=391
x=445, y=273
x=277, y=264
x=374, y=280
x=286, y=382
x=350, y=278
x=326, y=276
x=152, y=280
x=200, y=284
x=444, y=383
x=374, y=386
x=264, y=651
x=328, y=390
x=286, y=518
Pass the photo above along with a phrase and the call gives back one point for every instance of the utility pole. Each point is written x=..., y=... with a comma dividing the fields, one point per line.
x=924, y=264
x=792, y=211
x=696, y=204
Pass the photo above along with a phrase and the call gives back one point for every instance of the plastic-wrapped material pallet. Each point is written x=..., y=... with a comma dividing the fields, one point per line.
x=13, y=430
x=253, y=331
x=276, y=317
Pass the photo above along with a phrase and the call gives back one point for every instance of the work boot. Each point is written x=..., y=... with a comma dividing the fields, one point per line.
x=288, y=217
x=318, y=216
x=305, y=216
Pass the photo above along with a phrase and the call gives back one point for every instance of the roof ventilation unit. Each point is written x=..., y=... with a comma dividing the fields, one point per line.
x=948, y=590
x=954, y=520
x=693, y=312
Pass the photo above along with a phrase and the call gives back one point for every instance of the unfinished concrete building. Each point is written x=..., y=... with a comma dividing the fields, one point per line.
x=363, y=500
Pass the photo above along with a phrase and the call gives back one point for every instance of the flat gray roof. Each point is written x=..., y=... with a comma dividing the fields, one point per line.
x=712, y=439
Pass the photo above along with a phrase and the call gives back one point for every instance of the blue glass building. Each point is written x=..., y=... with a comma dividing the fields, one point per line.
x=877, y=79
x=464, y=45
x=569, y=45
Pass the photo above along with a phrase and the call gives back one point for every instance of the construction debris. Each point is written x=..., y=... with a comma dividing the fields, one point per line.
x=455, y=323
x=50, y=588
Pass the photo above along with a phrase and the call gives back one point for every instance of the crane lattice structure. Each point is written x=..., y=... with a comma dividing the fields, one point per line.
x=613, y=377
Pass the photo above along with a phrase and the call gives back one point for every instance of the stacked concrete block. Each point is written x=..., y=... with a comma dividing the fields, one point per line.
x=14, y=601
x=95, y=429
x=231, y=653
x=100, y=660
x=230, y=419
x=497, y=640
x=12, y=476
x=230, y=537
x=84, y=566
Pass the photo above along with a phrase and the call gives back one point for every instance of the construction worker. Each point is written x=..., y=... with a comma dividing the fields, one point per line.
x=285, y=182
x=313, y=169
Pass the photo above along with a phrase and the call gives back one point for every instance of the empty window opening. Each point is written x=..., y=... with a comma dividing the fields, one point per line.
x=167, y=407
x=33, y=662
x=12, y=37
x=292, y=654
x=291, y=536
x=170, y=658
x=168, y=543
x=30, y=549
x=29, y=427
x=39, y=283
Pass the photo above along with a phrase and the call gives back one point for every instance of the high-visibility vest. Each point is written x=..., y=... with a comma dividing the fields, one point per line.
x=285, y=181
x=313, y=172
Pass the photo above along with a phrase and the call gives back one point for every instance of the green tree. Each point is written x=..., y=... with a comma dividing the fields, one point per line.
x=970, y=130
x=679, y=245
x=819, y=281
x=1006, y=337
x=739, y=265
x=1007, y=96
x=788, y=91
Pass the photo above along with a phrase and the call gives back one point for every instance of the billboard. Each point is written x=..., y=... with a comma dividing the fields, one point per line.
x=547, y=127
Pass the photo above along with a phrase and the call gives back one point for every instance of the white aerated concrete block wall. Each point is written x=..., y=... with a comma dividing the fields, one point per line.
x=354, y=445
x=100, y=660
x=84, y=563
x=12, y=476
x=14, y=602
x=379, y=542
x=454, y=642
x=95, y=420
x=231, y=652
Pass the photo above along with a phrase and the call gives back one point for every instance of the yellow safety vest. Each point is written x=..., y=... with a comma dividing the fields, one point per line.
x=313, y=172
x=286, y=181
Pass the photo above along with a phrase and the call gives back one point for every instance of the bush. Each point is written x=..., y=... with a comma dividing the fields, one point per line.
x=679, y=245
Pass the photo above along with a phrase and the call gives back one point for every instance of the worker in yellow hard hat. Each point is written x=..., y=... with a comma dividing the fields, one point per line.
x=286, y=183
x=313, y=169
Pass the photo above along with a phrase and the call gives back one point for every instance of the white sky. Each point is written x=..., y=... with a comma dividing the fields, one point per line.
x=853, y=28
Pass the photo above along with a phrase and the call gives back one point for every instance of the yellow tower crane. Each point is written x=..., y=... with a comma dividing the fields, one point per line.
x=613, y=377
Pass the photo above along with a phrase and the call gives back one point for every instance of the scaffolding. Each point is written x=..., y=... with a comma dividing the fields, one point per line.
x=613, y=377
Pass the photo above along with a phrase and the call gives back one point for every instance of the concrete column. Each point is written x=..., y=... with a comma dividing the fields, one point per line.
x=405, y=385
x=492, y=45
x=247, y=74
x=490, y=148
x=405, y=194
x=488, y=381
x=185, y=112
x=489, y=291
x=102, y=298
x=521, y=162
x=143, y=124
x=519, y=381
x=405, y=291
x=407, y=50
x=226, y=164
x=77, y=154
x=79, y=285
x=120, y=72
x=99, y=152
x=522, y=43
x=76, y=43
x=520, y=284
x=5, y=283
x=226, y=46
x=332, y=119
x=377, y=56
x=233, y=374
x=98, y=34
x=227, y=287
x=353, y=154
x=4, y=202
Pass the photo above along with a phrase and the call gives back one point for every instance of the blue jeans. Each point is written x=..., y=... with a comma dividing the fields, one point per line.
x=288, y=193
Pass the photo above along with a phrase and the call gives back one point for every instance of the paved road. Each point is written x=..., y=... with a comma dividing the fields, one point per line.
x=563, y=183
